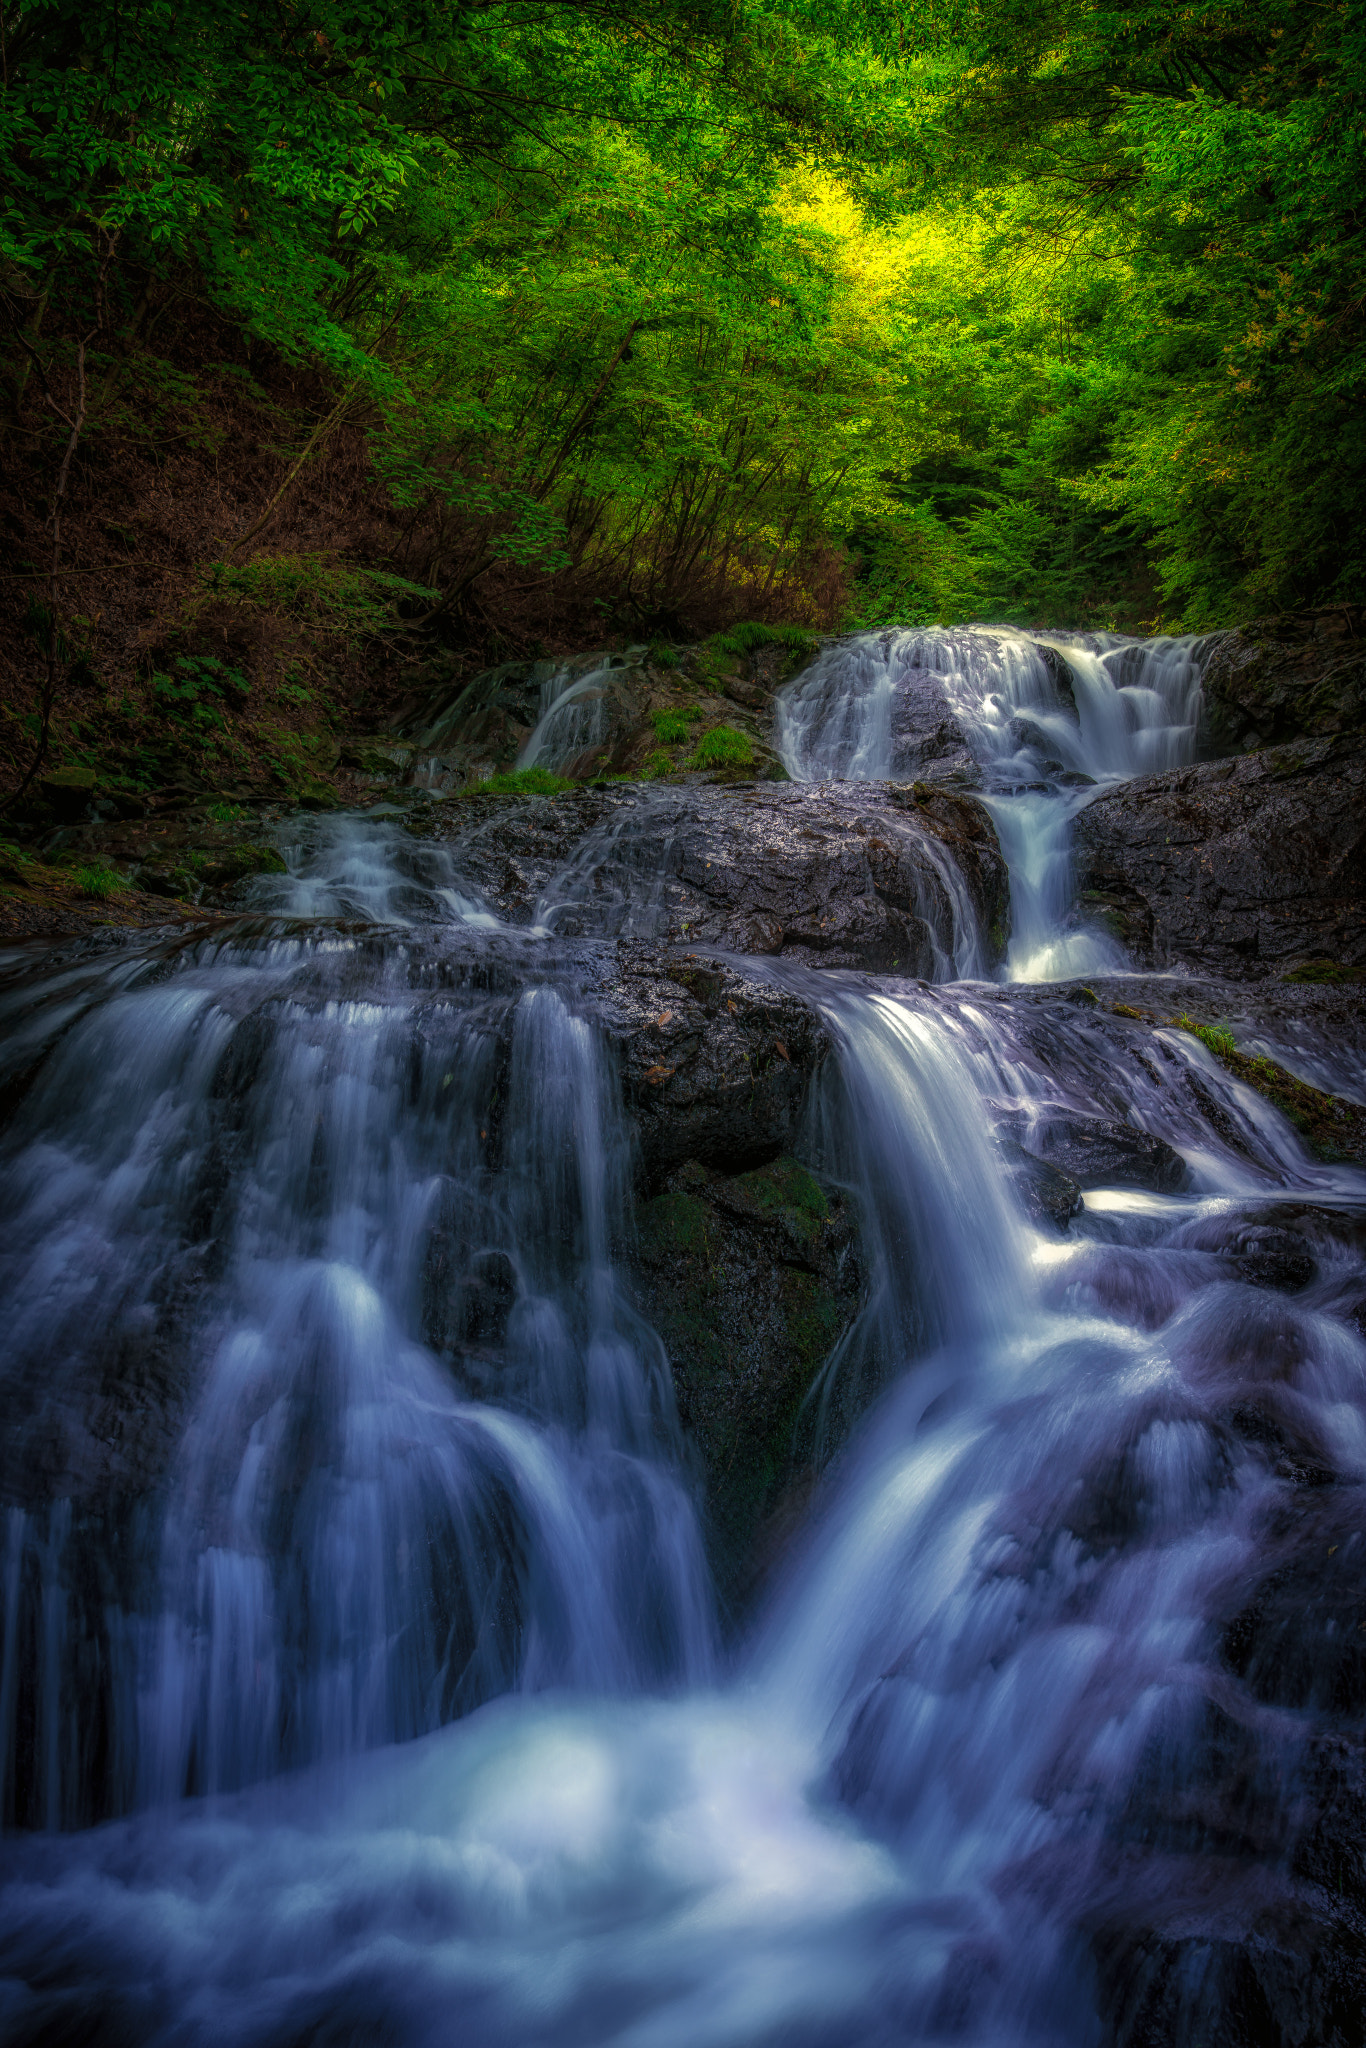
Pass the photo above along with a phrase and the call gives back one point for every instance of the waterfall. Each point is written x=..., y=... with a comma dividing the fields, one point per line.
x=359, y=1671
x=1049, y=720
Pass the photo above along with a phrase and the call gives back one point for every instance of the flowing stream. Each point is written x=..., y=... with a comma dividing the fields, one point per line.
x=361, y=1680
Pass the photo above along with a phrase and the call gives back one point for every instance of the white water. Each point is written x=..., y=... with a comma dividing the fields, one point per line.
x=358, y=1190
x=1133, y=710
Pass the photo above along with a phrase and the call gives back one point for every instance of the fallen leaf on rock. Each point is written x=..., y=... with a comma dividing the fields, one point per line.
x=662, y=1019
x=782, y=1051
x=658, y=1074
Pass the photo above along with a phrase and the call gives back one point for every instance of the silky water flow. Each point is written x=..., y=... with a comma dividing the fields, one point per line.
x=375, y=1694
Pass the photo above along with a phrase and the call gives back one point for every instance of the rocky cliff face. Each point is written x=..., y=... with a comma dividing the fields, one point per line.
x=1296, y=676
x=1244, y=868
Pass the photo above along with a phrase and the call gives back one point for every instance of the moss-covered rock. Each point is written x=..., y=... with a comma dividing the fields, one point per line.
x=751, y=1279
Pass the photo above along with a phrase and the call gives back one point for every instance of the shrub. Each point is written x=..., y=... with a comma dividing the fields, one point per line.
x=657, y=764
x=723, y=747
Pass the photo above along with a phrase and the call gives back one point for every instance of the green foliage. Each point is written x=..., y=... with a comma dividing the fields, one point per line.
x=523, y=782
x=671, y=726
x=196, y=695
x=658, y=765
x=740, y=640
x=1046, y=313
x=722, y=747
x=1216, y=1038
x=99, y=882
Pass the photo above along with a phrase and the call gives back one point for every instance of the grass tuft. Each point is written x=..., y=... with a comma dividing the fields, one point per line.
x=99, y=882
x=723, y=747
x=671, y=727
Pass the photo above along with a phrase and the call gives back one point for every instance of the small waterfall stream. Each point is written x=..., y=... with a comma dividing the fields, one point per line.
x=361, y=1680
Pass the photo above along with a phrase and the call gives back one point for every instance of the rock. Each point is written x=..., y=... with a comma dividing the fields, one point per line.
x=72, y=793
x=927, y=742
x=750, y=1279
x=715, y=1066
x=1265, y=1254
x=1046, y=1193
x=1296, y=1642
x=242, y=862
x=1237, y=868
x=850, y=875
x=1100, y=1152
x=1297, y=676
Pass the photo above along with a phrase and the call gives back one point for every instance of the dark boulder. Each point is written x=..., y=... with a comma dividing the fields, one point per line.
x=715, y=1066
x=1296, y=676
x=1045, y=1192
x=1100, y=1152
x=751, y=1279
x=1238, y=868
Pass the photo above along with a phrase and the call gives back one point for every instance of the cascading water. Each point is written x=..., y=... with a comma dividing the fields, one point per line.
x=1046, y=719
x=377, y=1617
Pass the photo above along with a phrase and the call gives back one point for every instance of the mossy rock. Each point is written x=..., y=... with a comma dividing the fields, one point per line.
x=240, y=863
x=751, y=1279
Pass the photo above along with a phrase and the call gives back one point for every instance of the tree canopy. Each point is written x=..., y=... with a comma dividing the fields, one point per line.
x=851, y=310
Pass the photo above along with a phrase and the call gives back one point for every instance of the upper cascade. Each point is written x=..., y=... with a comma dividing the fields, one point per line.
x=1035, y=723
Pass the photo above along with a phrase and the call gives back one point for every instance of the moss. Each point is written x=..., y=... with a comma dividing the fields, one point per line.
x=1125, y=1010
x=748, y=637
x=674, y=1223
x=1216, y=1038
x=242, y=862
x=522, y=782
x=99, y=882
x=1325, y=971
x=783, y=1191
x=1332, y=1128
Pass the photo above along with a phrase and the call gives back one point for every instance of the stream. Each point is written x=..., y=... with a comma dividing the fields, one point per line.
x=360, y=1696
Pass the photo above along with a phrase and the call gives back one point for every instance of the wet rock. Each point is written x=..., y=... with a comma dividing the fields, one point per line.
x=883, y=878
x=1046, y=1193
x=1297, y=1984
x=240, y=863
x=1264, y=1254
x=1298, y=1642
x=750, y=1279
x=1239, y=868
x=1299, y=675
x=1100, y=1152
x=927, y=742
x=715, y=1067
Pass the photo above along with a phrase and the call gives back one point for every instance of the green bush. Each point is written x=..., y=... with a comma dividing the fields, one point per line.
x=723, y=747
x=656, y=765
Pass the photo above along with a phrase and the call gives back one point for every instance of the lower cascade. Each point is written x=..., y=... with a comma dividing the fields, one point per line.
x=702, y=1447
